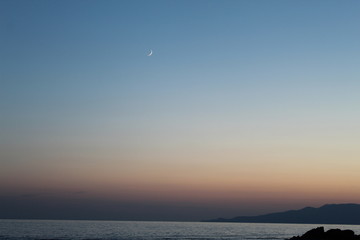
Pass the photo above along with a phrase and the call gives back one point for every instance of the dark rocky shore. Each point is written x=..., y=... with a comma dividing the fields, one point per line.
x=332, y=234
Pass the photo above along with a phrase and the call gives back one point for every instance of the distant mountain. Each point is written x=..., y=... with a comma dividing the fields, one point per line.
x=328, y=214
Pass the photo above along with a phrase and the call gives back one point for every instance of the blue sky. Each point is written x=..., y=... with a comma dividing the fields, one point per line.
x=230, y=84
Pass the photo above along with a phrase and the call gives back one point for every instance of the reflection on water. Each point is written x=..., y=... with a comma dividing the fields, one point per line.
x=121, y=230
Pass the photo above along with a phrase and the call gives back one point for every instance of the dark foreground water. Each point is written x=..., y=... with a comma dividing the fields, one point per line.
x=118, y=230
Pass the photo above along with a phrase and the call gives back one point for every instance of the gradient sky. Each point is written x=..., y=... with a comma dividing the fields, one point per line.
x=245, y=107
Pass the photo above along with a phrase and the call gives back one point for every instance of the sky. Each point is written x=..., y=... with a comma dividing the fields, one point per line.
x=244, y=108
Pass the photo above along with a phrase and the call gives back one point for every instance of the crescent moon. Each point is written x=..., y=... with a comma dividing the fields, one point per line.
x=151, y=52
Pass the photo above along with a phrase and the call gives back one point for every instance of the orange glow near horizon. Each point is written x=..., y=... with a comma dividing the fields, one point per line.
x=186, y=180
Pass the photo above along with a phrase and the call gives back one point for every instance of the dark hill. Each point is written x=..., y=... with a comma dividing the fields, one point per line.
x=327, y=214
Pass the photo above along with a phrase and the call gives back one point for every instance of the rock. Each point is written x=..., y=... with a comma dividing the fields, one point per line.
x=332, y=234
x=340, y=234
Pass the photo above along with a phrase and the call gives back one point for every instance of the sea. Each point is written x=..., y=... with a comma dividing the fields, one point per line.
x=133, y=230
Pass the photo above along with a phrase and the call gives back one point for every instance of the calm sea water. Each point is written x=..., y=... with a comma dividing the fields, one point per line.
x=120, y=230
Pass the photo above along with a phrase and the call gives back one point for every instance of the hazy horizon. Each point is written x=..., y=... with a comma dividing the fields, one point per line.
x=109, y=212
x=244, y=107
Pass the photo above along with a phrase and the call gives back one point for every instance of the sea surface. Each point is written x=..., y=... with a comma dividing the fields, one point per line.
x=121, y=230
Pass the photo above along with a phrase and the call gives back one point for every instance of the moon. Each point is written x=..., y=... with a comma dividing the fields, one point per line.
x=150, y=53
